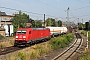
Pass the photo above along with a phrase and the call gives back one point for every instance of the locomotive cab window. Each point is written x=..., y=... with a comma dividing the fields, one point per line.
x=21, y=32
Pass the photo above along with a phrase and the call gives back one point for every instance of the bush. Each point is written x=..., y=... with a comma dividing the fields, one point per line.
x=11, y=42
x=21, y=56
x=85, y=33
x=61, y=41
x=1, y=36
x=85, y=55
x=41, y=52
x=2, y=46
x=33, y=55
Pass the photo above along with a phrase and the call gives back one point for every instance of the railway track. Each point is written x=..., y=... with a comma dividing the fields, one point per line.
x=10, y=49
x=6, y=39
x=71, y=50
x=67, y=53
x=6, y=50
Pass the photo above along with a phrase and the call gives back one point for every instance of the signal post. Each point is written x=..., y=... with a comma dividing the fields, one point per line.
x=87, y=28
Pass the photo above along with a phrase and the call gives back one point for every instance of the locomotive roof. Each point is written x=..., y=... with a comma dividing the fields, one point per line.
x=39, y=28
x=33, y=28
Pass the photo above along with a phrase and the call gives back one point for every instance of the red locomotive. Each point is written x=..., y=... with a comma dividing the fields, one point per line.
x=27, y=36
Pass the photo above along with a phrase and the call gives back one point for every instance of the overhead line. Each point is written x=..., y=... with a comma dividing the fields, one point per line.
x=19, y=10
x=43, y=14
x=80, y=16
x=80, y=8
x=64, y=10
x=30, y=12
x=48, y=4
x=82, y=1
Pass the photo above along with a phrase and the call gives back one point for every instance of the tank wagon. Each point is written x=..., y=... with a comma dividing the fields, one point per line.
x=57, y=30
x=27, y=36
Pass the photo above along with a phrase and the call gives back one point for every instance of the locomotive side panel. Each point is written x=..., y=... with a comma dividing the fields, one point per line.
x=27, y=36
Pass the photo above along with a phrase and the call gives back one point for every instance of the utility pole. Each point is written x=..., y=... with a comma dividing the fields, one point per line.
x=44, y=21
x=77, y=23
x=87, y=28
x=82, y=24
x=68, y=16
x=57, y=22
x=0, y=21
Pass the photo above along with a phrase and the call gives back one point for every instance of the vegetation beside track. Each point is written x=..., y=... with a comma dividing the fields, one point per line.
x=85, y=34
x=33, y=52
x=7, y=43
x=86, y=54
x=1, y=37
x=61, y=41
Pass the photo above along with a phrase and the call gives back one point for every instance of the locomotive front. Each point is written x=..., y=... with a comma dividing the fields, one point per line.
x=21, y=37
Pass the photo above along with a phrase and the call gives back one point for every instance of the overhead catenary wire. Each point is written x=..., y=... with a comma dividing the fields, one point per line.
x=83, y=1
x=49, y=5
x=30, y=12
x=72, y=9
x=19, y=10
x=46, y=15
x=80, y=8
x=64, y=10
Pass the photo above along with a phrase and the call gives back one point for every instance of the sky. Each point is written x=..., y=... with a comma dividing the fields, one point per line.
x=79, y=10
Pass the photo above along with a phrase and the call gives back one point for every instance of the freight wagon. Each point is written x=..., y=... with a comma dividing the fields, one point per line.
x=57, y=30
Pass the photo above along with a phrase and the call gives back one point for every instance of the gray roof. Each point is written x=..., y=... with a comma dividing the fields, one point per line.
x=2, y=13
x=2, y=29
x=29, y=21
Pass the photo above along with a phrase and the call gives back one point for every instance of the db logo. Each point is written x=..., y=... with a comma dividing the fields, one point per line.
x=20, y=36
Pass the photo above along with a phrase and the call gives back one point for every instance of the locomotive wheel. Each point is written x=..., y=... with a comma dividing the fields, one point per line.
x=15, y=45
x=27, y=45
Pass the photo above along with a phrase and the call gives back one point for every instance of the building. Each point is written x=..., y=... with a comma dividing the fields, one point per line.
x=5, y=20
x=43, y=24
x=2, y=32
x=29, y=23
x=63, y=24
x=6, y=23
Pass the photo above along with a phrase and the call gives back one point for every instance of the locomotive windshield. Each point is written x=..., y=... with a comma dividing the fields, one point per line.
x=21, y=32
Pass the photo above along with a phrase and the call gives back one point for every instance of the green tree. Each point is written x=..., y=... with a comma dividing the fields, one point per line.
x=59, y=23
x=80, y=26
x=19, y=20
x=50, y=22
x=89, y=24
x=36, y=23
x=33, y=23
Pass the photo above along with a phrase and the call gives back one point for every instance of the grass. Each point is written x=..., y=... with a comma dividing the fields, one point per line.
x=61, y=41
x=1, y=37
x=7, y=43
x=85, y=34
x=85, y=55
x=33, y=52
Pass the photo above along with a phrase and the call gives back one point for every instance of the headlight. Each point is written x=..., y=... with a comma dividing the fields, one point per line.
x=16, y=36
x=24, y=36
